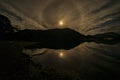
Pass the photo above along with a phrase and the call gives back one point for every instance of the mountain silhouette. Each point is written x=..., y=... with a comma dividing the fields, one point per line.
x=105, y=38
x=52, y=38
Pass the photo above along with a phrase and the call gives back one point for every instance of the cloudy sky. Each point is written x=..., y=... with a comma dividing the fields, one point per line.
x=85, y=16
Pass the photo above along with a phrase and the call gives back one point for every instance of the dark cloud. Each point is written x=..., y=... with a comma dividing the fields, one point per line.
x=109, y=4
x=103, y=52
x=112, y=15
x=113, y=22
x=11, y=14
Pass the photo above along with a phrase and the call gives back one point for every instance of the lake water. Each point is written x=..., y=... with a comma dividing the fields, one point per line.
x=88, y=60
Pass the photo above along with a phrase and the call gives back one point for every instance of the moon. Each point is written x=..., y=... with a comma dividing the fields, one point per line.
x=61, y=23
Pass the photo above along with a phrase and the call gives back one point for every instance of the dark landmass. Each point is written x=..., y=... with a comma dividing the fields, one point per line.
x=52, y=38
x=59, y=38
x=105, y=38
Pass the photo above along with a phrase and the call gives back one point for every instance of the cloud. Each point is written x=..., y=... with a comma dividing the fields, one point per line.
x=109, y=4
x=82, y=15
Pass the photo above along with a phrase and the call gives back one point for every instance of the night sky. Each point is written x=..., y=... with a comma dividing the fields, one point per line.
x=85, y=16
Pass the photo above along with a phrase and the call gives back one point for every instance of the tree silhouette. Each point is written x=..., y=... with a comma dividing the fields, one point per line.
x=5, y=25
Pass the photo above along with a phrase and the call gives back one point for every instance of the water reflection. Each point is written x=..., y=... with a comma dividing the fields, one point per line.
x=61, y=54
x=87, y=59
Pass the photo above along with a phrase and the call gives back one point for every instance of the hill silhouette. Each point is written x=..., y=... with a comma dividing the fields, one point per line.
x=52, y=38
